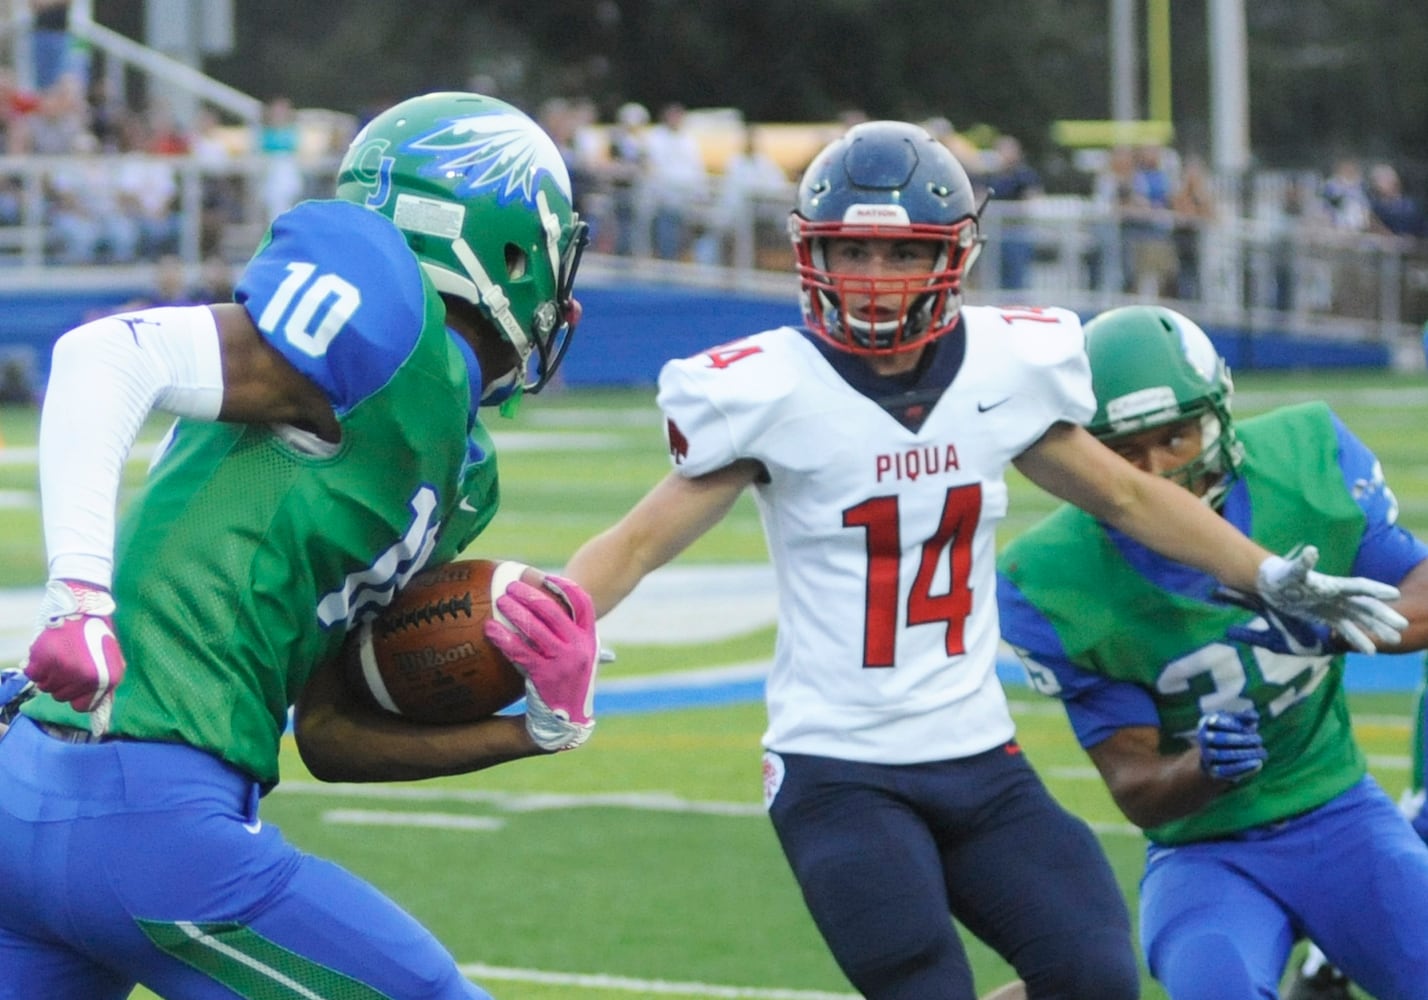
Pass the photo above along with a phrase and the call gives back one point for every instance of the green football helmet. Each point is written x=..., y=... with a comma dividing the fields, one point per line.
x=1152, y=366
x=483, y=197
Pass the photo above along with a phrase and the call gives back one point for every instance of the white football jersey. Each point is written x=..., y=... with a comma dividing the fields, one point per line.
x=882, y=538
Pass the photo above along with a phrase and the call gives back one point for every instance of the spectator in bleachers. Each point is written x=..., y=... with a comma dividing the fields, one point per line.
x=1394, y=211
x=677, y=181
x=1293, y=212
x=168, y=288
x=1195, y=210
x=61, y=118
x=108, y=111
x=1010, y=179
x=165, y=134
x=1353, y=278
x=750, y=176
x=278, y=142
x=1113, y=191
x=562, y=120
x=221, y=188
x=1345, y=196
x=12, y=197
x=1146, y=224
x=87, y=224
x=51, y=52
x=17, y=105
x=146, y=189
x=624, y=174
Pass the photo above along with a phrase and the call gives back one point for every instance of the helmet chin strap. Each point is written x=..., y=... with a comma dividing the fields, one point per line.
x=500, y=389
x=493, y=297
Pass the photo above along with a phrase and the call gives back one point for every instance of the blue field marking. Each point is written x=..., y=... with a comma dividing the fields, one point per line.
x=1391, y=672
x=731, y=685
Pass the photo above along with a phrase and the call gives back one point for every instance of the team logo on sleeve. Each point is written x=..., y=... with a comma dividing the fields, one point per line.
x=678, y=443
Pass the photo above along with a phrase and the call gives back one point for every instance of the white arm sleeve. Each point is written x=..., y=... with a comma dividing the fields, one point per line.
x=105, y=379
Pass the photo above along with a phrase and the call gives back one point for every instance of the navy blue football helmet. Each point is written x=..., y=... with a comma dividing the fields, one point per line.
x=893, y=181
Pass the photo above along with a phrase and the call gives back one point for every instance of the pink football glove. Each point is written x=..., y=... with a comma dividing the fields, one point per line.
x=555, y=647
x=75, y=656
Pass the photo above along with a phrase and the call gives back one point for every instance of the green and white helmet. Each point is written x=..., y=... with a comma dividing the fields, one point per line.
x=483, y=197
x=1152, y=366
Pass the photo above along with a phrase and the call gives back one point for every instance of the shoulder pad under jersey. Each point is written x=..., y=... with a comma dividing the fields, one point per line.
x=336, y=290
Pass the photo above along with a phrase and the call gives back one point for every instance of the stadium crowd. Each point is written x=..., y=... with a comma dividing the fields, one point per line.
x=698, y=186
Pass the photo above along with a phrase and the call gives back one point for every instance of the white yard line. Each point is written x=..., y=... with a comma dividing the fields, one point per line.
x=647, y=987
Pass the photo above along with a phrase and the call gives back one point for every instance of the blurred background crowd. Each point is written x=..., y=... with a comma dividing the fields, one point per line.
x=102, y=169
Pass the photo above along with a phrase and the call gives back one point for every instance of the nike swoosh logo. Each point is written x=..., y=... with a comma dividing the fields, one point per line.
x=465, y=504
x=96, y=630
x=984, y=407
x=254, y=827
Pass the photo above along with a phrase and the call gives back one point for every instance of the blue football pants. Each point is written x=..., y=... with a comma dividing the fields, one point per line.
x=1219, y=918
x=125, y=862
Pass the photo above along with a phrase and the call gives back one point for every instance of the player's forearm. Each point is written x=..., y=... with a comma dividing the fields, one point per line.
x=666, y=521
x=1072, y=465
x=341, y=739
x=1178, y=525
x=609, y=566
x=394, y=750
x=1151, y=791
x=1413, y=605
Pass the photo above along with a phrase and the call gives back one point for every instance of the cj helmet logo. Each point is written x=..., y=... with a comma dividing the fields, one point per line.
x=499, y=153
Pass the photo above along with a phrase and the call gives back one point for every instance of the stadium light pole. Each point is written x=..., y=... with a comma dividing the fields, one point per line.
x=1123, y=61
x=1229, y=86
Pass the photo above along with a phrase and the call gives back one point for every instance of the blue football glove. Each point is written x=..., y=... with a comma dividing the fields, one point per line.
x=15, y=690
x=1231, y=748
x=1278, y=632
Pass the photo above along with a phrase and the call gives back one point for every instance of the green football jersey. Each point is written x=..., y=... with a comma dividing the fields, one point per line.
x=1113, y=619
x=247, y=554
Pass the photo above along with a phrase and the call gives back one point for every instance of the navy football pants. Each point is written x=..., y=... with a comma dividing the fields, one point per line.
x=884, y=853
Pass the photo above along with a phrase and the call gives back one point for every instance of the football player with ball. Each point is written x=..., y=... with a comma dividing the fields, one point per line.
x=1220, y=722
x=329, y=446
x=876, y=440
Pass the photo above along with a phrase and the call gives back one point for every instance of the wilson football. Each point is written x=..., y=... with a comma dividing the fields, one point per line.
x=424, y=656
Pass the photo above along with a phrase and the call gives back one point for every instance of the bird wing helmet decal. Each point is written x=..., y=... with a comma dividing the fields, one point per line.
x=497, y=153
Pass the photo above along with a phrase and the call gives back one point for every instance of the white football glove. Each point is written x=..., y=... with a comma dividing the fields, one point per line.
x=1350, y=605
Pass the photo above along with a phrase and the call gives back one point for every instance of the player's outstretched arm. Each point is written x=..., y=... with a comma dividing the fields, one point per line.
x=1071, y=464
x=665, y=522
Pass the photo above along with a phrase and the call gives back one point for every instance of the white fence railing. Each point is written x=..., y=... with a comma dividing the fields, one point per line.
x=1274, y=273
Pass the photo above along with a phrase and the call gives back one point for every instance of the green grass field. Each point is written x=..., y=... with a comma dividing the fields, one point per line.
x=642, y=865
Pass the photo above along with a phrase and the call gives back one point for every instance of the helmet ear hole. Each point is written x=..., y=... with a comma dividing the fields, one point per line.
x=516, y=261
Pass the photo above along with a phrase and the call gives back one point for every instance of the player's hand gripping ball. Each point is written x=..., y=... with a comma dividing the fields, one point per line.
x=425, y=656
